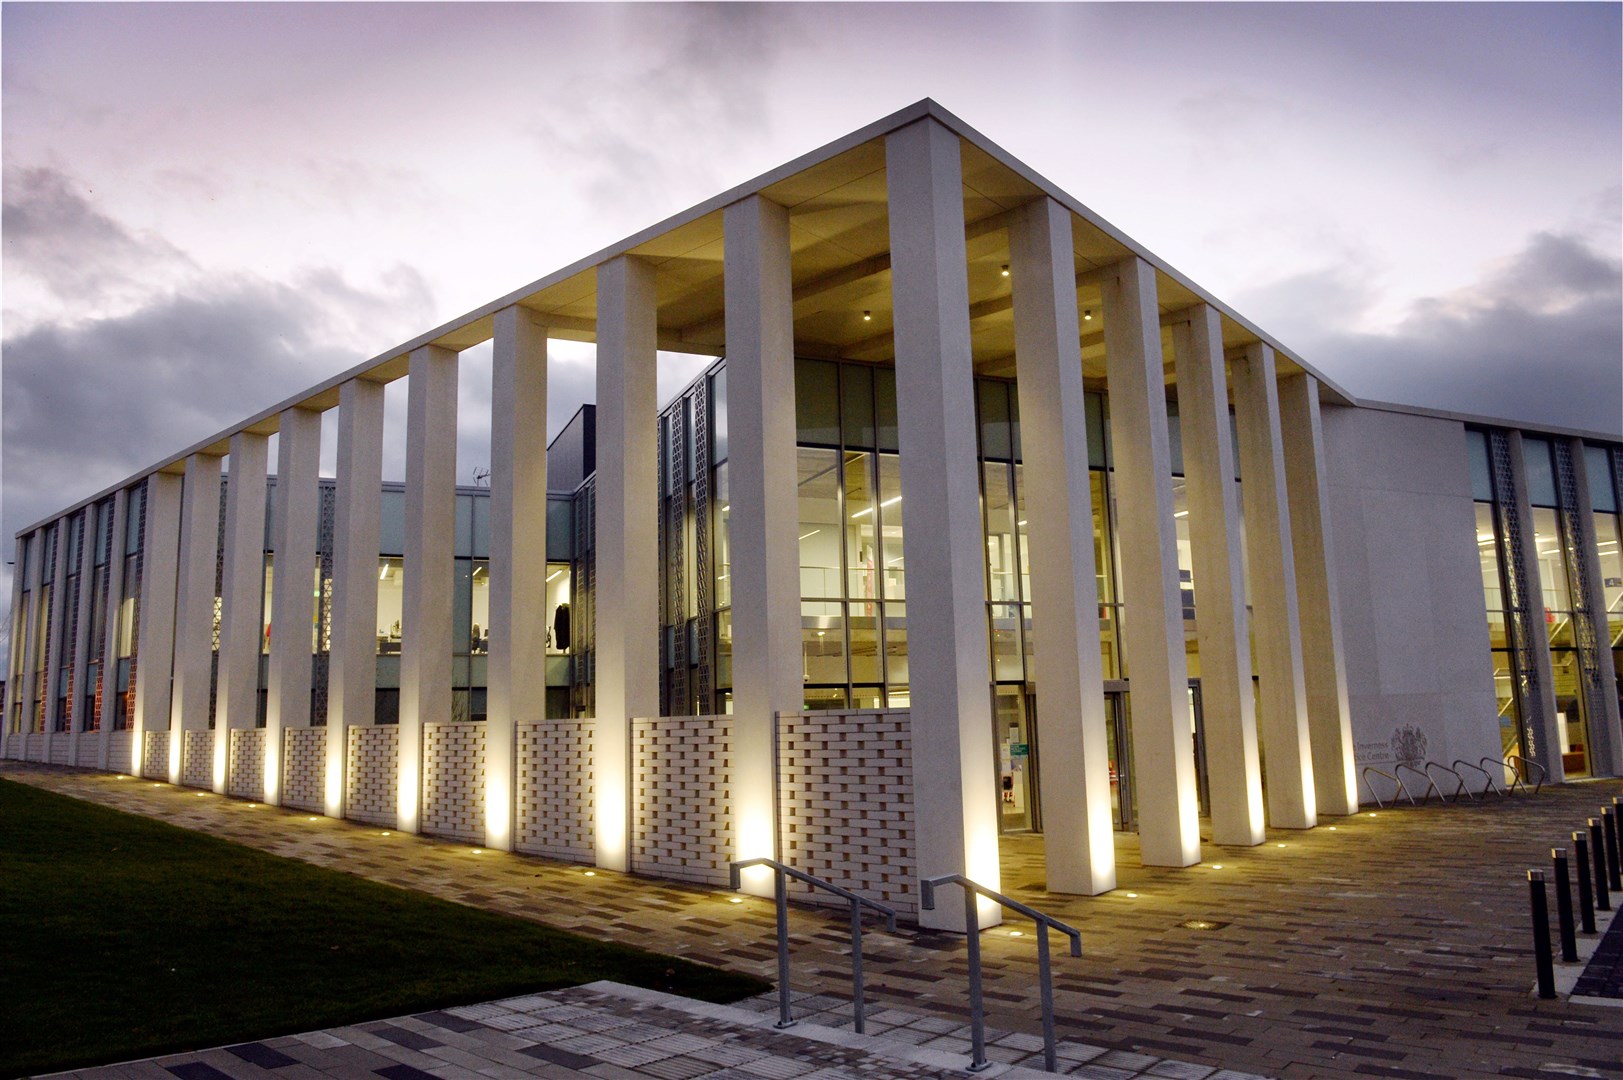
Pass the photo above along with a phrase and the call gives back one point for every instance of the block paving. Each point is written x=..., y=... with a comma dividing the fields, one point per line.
x=1392, y=944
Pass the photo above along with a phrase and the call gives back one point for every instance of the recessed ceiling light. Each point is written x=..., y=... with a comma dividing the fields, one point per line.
x=1005, y=269
x=1087, y=314
x=867, y=316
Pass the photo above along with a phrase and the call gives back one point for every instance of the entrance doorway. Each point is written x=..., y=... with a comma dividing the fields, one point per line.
x=1014, y=734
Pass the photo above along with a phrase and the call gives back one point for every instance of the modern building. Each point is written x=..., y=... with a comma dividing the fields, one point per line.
x=985, y=519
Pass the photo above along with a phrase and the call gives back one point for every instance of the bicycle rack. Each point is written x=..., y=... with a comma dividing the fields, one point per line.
x=1518, y=780
x=781, y=896
x=1486, y=775
x=1431, y=785
x=1460, y=785
x=977, y=1015
x=1397, y=782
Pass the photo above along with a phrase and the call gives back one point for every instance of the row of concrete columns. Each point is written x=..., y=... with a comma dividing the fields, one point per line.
x=1302, y=718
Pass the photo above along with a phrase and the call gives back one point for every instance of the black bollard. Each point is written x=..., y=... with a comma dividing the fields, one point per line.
x=1608, y=819
x=1597, y=853
x=1586, y=898
x=1563, y=906
x=1541, y=934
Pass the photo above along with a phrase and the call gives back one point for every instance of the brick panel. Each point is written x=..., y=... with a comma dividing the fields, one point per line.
x=372, y=774
x=245, y=773
x=154, y=755
x=197, y=759
x=304, y=767
x=34, y=746
x=555, y=808
x=87, y=755
x=681, y=797
x=454, y=781
x=845, y=802
x=62, y=749
x=118, y=751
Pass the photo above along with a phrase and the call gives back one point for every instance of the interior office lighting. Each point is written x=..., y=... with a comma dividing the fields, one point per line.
x=1005, y=269
x=553, y=575
x=1087, y=314
x=814, y=532
x=867, y=316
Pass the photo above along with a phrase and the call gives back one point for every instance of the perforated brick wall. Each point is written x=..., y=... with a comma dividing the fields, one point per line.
x=371, y=774
x=155, y=755
x=454, y=781
x=245, y=773
x=197, y=759
x=118, y=750
x=681, y=797
x=555, y=789
x=304, y=767
x=845, y=802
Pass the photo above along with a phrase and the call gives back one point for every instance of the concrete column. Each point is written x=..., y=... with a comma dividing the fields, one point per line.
x=1152, y=623
x=627, y=541
x=194, y=603
x=954, y=778
x=1077, y=835
x=242, y=597
x=294, y=526
x=163, y=626
x=516, y=683
x=1324, y=664
x=762, y=479
x=1540, y=713
x=81, y=628
x=1275, y=620
x=17, y=671
x=53, y=642
x=158, y=613
x=352, y=658
x=425, y=639
x=1227, y=701
x=31, y=639
x=1600, y=698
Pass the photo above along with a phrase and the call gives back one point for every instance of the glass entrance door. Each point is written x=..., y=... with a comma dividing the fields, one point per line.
x=1197, y=730
x=1013, y=732
x=1119, y=750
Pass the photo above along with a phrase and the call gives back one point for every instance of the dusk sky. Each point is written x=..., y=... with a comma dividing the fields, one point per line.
x=210, y=207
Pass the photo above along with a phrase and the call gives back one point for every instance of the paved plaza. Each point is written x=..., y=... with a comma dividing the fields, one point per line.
x=1393, y=944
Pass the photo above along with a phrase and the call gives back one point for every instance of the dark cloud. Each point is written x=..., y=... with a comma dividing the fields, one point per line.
x=55, y=234
x=1539, y=339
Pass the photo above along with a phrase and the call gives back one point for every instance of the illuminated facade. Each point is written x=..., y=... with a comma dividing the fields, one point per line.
x=1143, y=549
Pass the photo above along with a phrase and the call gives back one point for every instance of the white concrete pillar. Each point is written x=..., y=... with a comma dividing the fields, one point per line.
x=516, y=680
x=1275, y=620
x=1324, y=664
x=194, y=603
x=242, y=597
x=157, y=614
x=58, y=623
x=31, y=641
x=954, y=782
x=1152, y=623
x=352, y=657
x=1540, y=712
x=1227, y=700
x=22, y=583
x=627, y=615
x=1077, y=829
x=762, y=485
x=425, y=638
x=77, y=701
x=294, y=527
x=163, y=626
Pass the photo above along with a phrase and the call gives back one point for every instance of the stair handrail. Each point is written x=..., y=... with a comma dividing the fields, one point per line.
x=780, y=891
x=1486, y=775
x=1461, y=788
x=1431, y=785
x=977, y=1011
x=1402, y=788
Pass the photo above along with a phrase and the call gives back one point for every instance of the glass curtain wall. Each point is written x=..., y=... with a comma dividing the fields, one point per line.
x=1556, y=585
x=1502, y=625
x=67, y=638
x=95, y=666
x=129, y=609
x=1604, y=466
x=20, y=626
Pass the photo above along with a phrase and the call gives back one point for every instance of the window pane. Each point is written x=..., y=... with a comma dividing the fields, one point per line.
x=392, y=522
x=1006, y=652
x=265, y=605
x=896, y=646
x=1552, y=569
x=866, y=664
x=1476, y=451
x=1488, y=549
x=558, y=616
x=1002, y=569
x=1540, y=474
x=1095, y=411
x=479, y=636
x=817, y=401
x=1611, y=570
x=1102, y=568
x=856, y=393
x=861, y=530
x=819, y=490
x=724, y=651
x=822, y=636
x=1598, y=464
x=890, y=520
x=391, y=600
x=884, y=397
x=560, y=528
x=992, y=398
x=718, y=416
x=721, y=538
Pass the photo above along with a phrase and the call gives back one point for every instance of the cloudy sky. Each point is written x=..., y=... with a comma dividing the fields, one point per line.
x=210, y=207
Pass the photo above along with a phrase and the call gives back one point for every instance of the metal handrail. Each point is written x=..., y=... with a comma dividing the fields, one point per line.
x=1398, y=780
x=1431, y=785
x=1542, y=771
x=977, y=1012
x=781, y=895
x=1486, y=775
x=1460, y=789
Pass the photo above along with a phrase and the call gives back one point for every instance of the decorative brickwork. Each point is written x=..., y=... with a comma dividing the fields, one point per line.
x=555, y=789
x=454, y=781
x=154, y=756
x=304, y=767
x=372, y=774
x=681, y=797
x=197, y=759
x=118, y=750
x=845, y=802
x=245, y=774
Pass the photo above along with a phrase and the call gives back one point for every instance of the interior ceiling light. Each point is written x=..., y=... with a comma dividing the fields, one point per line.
x=1087, y=314
x=1005, y=269
x=867, y=316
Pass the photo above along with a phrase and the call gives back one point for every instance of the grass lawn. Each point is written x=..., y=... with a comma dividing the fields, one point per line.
x=122, y=937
